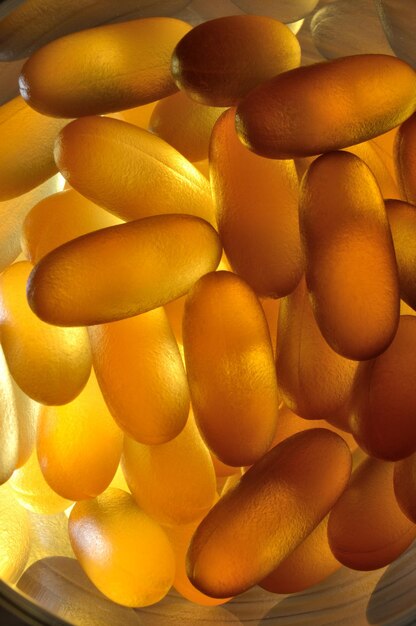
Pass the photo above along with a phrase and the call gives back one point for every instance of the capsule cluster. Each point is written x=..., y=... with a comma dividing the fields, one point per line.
x=221, y=301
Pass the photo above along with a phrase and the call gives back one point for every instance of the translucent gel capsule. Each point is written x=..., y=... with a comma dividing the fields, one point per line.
x=26, y=148
x=257, y=212
x=222, y=469
x=289, y=115
x=139, y=116
x=136, y=175
x=59, y=218
x=366, y=528
x=314, y=380
x=153, y=261
x=103, y=69
x=405, y=486
x=185, y=124
x=51, y=365
x=310, y=563
x=384, y=398
x=173, y=482
x=229, y=362
x=402, y=220
x=174, y=312
x=351, y=270
x=405, y=157
x=27, y=411
x=219, y=61
x=398, y=18
x=124, y=552
x=9, y=424
x=15, y=539
x=79, y=445
x=271, y=308
x=276, y=505
x=141, y=375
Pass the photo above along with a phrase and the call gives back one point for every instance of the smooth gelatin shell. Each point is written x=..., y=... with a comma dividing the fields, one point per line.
x=15, y=536
x=405, y=486
x=402, y=220
x=397, y=18
x=405, y=158
x=9, y=423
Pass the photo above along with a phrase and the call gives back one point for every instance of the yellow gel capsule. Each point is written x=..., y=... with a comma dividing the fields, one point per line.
x=348, y=248
x=59, y=218
x=231, y=373
x=141, y=375
x=136, y=175
x=402, y=220
x=26, y=148
x=124, y=552
x=139, y=116
x=79, y=445
x=271, y=309
x=15, y=539
x=153, y=261
x=9, y=423
x=257, y=212
x=366, y=528
x=33, y=492
x=276, y=505
x=174, y=312
x=405, y=157
x=103, y=69
x=173, y=482
x=219, y=61
x=51, y=365
x=310, y=563
x=405, y=486
x=27, y=411
x=314, y=381
x=289, y=115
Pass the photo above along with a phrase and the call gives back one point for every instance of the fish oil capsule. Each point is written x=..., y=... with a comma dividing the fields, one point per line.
x=9, y=423
x=27, y=411
x=404, y=151
x=366, y=528
x=397, y=19
x=81, y=74
x=271, y=308
x=314, y=380
x=79, y=445
x=153, y=261
x=26, y=148
x=402, y=220
x=288, y=116
x=59, y=218
x=139, y=564
x=15, y=536
x=141, y=375
x=173, y=482
x=219, y=61
x=348, y=247
x=51, y=365
x=257, y=212
x=229, y=362
x=275, y=506
x=384, y=398
x=137, y=174
x=405, y=486
x=139, y=116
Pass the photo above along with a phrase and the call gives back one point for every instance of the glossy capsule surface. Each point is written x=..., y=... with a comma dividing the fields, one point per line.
x=289, y=115
x=402, y=220
x=129, y=171
x=9, y=423
x=229, y=362
x=15, y=536
x=257, y=212
x=351, y=270
x=27, y=411
x=103, y=69
x=404, y=152
x=153, y=261
x=277, y=503
x=405, y=486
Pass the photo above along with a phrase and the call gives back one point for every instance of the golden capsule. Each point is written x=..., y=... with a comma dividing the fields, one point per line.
x=275, y=506
x=366, y=528
x=50, y=364
x=271, y=307
x=103, y=69
x=27, y=411
x=15, y=536
x=9, y=423
x=229, y=362
x=219, y=61
x=289, y=115
x=351, y=270
x=139, y=116
x=404, y=150
x=153, y=261
x=124, y=552
x=141, y=375
x=405, y=486
x=137, y=174
x=173, y=482
x=257, y=212
x=402, y=220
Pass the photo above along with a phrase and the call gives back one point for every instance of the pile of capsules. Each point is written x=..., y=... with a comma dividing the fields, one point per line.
x=139, y=327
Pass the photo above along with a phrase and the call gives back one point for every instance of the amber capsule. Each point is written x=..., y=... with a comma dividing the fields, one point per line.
x=275, y=506
x=139, y=116
x=26, y=148
x=15, y=536
x=289, y=115
x=219, y=61
x=405, y=151
x=366, y=528
x=402, y=220
x=27, y=411
x=103, y=69
x=351, y=270
x=50, y=364
x=141, y=375
x=124, y=552
x=137, y=174
x=229, y=361
x=271, y=307
x=384, y=398
x=173, y=482
x=153, y=261
x=405, y=486
x=9, y=423
x=257, y=212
